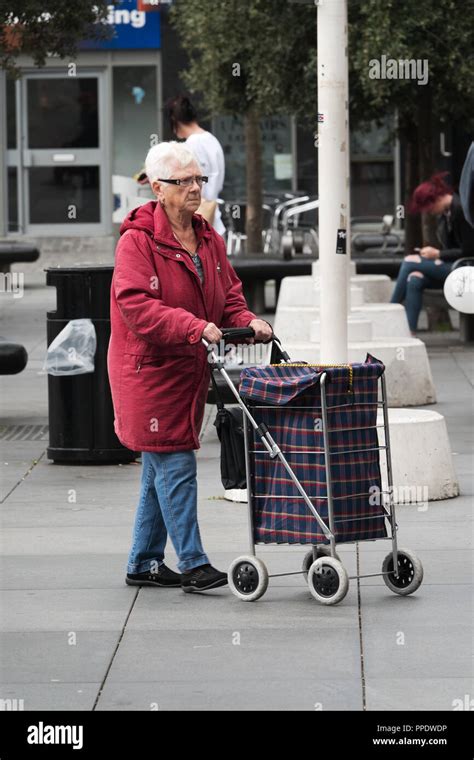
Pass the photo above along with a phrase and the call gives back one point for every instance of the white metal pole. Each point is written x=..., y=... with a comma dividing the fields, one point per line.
x=333, y=178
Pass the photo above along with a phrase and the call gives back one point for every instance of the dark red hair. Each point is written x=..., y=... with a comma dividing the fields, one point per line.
x=428, y=193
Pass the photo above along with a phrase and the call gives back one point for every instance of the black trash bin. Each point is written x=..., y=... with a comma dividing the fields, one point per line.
x=81, y=416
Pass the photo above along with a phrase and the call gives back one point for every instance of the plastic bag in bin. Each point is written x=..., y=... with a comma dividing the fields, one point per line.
x=72, y=351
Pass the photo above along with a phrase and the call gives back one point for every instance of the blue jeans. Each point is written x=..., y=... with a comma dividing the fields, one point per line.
x=410, y=289
x=167, y=505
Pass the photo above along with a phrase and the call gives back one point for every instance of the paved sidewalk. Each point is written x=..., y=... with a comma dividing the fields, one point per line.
x=74, y=636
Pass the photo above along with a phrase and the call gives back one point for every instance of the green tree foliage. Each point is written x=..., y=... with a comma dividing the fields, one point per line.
x=38, y=28
x=268, y=39
x=250, y=58
x=274, y=44
x=440, y=32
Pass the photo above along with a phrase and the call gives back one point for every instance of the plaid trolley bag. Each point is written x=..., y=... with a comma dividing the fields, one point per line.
x=287, y=399
x=313, y=471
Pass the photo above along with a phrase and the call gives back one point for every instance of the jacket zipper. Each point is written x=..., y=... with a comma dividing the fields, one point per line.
x=196, y=278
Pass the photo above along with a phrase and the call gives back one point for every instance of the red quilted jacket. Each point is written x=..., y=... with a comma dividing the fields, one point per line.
x=157, y=365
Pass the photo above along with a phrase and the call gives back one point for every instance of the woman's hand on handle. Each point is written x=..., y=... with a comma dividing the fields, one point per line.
x=211, y=333
x=263, y=331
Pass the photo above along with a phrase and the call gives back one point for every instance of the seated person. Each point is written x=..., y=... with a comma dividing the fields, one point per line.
x=430, y=267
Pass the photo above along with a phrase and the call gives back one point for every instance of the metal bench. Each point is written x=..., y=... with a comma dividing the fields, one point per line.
x=387, y=264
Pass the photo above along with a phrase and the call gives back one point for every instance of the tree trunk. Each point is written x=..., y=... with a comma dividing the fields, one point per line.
x=253, y=157
x=413, y=236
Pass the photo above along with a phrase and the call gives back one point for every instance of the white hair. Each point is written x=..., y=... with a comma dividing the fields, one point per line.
x=163, y=159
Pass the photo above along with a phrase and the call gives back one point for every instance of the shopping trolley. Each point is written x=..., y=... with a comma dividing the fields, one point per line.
x=313, y=470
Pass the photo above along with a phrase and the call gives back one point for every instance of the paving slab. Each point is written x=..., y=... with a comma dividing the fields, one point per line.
x=72, y=656
x=212, y=655
x=65, y=609
x=41, y=572
x=52, y=540
x=416, y=636
x=237, y=694
x=63, y=562
x=416, y=693
x=52, y=696
x=281, y=607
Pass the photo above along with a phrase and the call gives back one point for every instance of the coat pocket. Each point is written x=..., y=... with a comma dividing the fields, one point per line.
x=157, y=361
x=164, y=359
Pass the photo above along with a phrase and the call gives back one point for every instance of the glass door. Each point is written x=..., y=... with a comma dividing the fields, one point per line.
x=63, y=167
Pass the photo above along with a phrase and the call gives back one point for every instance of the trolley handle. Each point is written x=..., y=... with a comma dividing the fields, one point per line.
x=230, y=333
x=237, y=332
x=245, y=332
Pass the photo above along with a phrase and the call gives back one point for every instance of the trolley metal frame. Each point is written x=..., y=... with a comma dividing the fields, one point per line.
x=274, y=451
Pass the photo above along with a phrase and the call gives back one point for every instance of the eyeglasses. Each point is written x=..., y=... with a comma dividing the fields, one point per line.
x=186, y=182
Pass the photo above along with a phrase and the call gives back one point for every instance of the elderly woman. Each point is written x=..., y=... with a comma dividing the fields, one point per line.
x=172, y=286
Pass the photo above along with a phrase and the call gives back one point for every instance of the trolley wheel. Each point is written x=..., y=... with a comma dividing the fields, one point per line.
x=248, y=578
x=321, y=551
x=410, y=572
x=328, y=580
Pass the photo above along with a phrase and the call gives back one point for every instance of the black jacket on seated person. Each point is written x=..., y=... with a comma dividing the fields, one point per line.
x=455, y=234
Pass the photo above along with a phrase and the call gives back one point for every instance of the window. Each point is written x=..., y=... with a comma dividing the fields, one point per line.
x=276, y=158
x=135, y=114
x=372, y=170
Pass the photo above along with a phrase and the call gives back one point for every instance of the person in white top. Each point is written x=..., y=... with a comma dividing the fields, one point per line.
x=207, y=149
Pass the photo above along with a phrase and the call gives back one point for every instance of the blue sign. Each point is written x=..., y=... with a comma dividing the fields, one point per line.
x=134, y=29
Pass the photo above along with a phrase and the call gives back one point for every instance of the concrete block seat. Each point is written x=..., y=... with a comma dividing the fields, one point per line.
x=375, y=288
x=422, y=462
x=408, y=373
x=387, y=320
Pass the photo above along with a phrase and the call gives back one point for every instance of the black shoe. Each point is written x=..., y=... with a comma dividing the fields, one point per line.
x=164, y=577
x=203, y=578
